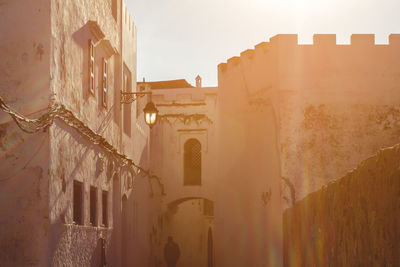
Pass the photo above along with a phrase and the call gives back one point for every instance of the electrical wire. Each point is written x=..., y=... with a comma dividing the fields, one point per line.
x=59, y=111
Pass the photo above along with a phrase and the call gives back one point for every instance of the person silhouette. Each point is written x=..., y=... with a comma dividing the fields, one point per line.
x=171, y=252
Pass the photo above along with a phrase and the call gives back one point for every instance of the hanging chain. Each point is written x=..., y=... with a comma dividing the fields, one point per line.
x=59, y=111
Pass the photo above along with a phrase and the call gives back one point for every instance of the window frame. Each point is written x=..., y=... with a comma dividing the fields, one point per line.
x=92, y=80
x=192, y=176
x=105, y=83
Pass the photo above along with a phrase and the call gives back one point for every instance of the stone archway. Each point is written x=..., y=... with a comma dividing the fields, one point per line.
x=188, y=221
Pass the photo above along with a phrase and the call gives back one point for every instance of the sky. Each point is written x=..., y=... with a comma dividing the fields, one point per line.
x=185, y=38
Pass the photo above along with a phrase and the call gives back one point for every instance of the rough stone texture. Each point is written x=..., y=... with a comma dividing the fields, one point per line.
x=353, y=221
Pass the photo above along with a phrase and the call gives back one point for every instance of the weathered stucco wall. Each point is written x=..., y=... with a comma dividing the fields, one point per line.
x=70, y=35
x=249, y=180
x=44, y=47
x=353, y=221
x=24, y=208
x=336, y=104
x=76, y=159
x=24, y=158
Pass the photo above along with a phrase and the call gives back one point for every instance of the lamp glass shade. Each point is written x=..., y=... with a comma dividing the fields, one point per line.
x=150, y=114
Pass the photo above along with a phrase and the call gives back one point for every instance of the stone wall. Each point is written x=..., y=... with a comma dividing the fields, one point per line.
x=353, y=221
x=336, y=104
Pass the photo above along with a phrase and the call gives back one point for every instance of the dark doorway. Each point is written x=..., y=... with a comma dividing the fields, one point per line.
x=210, y=249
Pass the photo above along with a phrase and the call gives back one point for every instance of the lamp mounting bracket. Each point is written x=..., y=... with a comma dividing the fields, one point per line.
x=129, y=97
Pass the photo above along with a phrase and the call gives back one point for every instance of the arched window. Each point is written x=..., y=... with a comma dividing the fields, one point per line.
x=192, y=162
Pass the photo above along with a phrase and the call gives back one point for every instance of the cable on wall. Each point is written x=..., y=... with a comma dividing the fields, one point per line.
x=59, y=111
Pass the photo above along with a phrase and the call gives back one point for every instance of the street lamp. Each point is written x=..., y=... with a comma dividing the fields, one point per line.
x=150, y=114
x=150, y=111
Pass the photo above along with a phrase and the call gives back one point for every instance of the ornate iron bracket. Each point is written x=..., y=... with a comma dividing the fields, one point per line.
x=129, y=97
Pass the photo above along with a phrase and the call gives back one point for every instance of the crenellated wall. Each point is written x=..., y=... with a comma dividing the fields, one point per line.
x=337, y=104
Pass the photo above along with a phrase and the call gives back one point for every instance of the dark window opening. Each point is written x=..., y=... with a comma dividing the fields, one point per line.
x=93, y=205
x=192, y=162
x=77, y=202
x=105, y=208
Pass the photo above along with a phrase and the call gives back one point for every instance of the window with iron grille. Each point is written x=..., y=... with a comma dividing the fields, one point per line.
x=105, y=81
x=78, y=202
x=192, y=162
x=105, y=208
x=93, y=205
x=91, y=67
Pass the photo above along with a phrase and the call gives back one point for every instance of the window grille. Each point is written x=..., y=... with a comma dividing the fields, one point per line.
x=91, y=67
x=192, y=162
x=105, y=81
x=77, y=202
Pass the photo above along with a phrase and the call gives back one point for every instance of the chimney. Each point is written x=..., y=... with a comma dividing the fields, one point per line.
x=198, y=81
